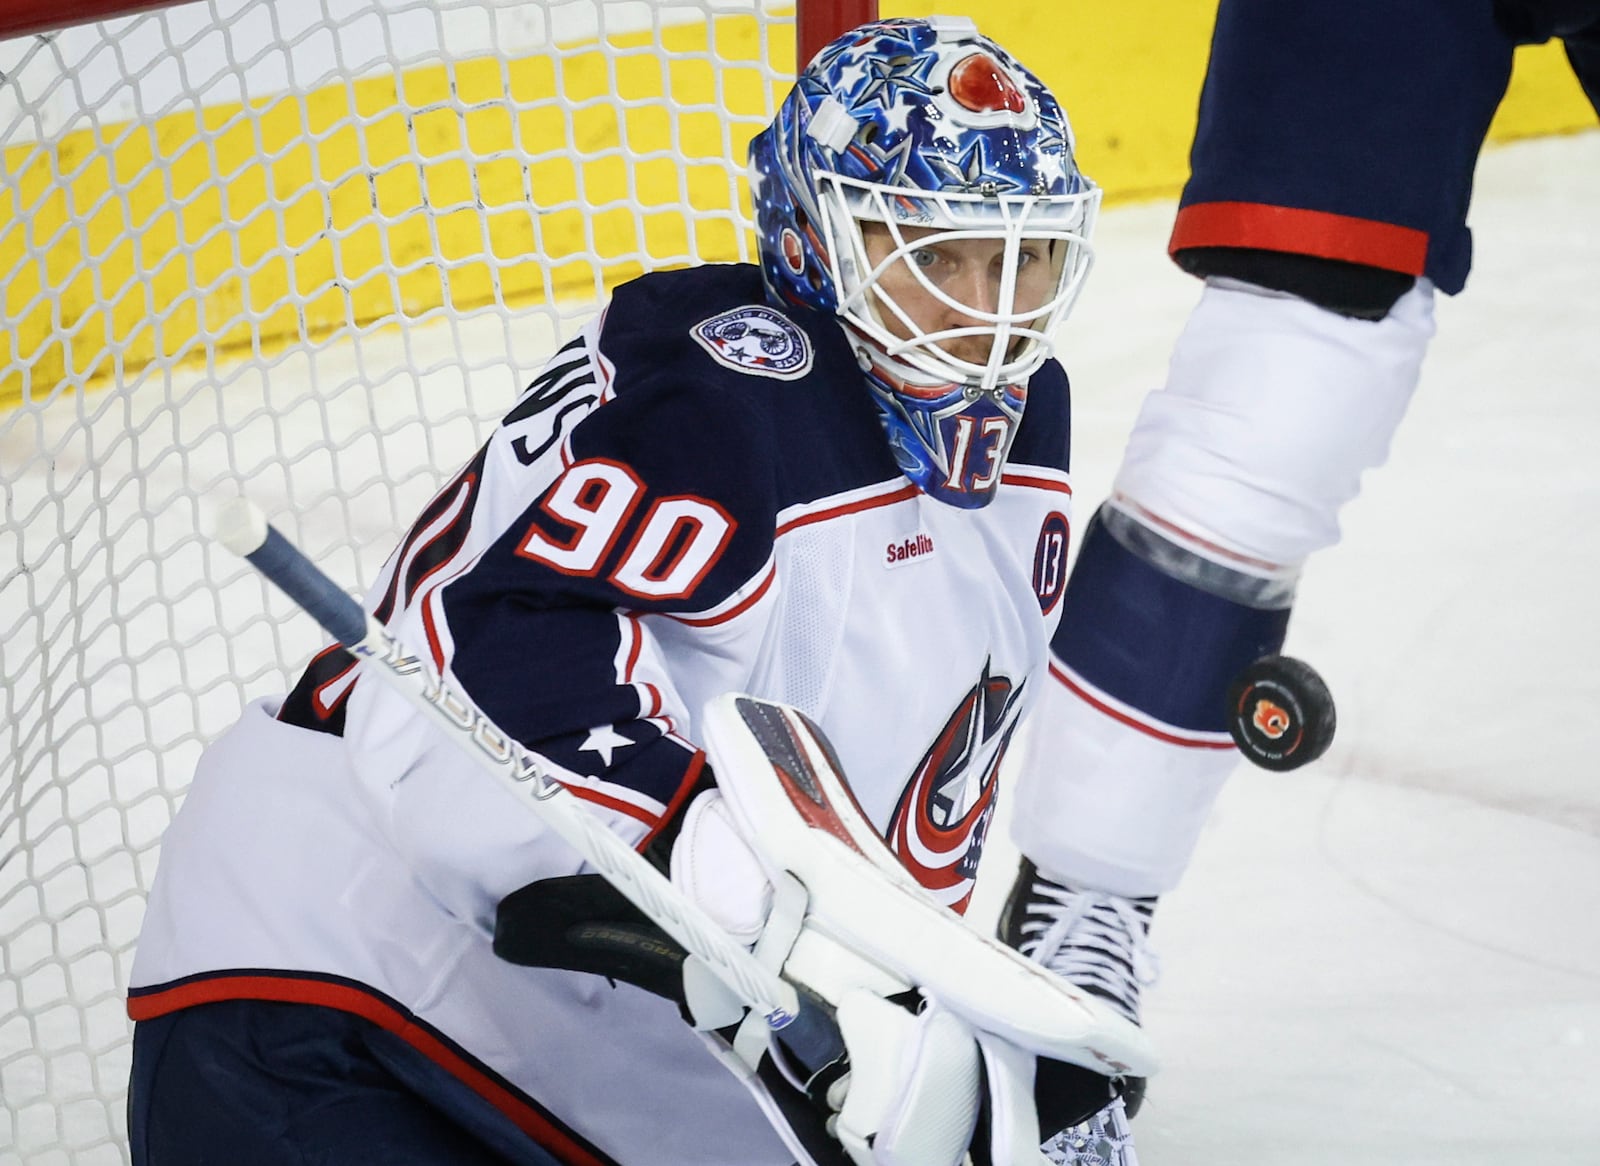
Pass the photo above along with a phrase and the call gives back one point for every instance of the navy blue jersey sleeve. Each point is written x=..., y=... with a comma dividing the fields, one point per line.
x=1347, y=130
x=606, y=562
x=664, y=503
x=710, y=413
x=665, y=506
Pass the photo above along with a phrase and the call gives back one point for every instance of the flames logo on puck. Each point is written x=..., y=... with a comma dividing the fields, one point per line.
x=1270, y=719
x=1280, y=713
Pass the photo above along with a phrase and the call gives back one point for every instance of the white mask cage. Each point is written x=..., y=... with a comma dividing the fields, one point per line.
x=1020, y=339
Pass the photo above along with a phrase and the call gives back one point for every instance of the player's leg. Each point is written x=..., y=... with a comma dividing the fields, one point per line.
x=1577, y=23
x=1332, y=169
x=254, y=1083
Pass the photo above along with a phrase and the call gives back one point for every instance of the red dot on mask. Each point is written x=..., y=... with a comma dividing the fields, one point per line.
x=979, y=84
x=793, y=252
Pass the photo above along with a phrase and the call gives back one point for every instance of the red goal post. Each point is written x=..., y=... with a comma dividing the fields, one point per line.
x=309, y=249
x=816, y=21
x=33, y=17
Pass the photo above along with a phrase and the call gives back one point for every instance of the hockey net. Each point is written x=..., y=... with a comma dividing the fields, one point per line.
x=304, y=249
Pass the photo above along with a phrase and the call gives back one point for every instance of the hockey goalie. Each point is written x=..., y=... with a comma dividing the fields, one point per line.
x=836, y=483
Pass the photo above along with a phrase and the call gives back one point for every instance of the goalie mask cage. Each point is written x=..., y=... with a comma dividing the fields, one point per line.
x=311, y=249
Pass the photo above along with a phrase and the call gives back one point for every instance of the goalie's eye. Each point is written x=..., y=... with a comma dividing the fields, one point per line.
x=1032, y=252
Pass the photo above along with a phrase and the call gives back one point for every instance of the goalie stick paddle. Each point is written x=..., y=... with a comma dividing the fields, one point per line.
x=803, y=1025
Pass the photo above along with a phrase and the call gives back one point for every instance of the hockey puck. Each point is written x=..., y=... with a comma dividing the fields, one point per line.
x=1280, y=713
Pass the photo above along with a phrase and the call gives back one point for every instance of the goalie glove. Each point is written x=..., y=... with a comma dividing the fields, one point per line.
x=869, y=928
x=941, y=1025
x=911, y=1095
x=785, y=788
x=581, y=923
x=906, y=1092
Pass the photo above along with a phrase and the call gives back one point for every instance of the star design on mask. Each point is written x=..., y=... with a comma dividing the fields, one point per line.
x=889, y=77
x=892, y=163
x=897, y=117
x=851, y=73
x=1052, y=170
x=968, y=173
x=1049, y=141
x=605, y=741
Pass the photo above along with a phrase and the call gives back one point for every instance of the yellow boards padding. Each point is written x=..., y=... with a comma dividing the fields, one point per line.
x=1128, y=73
x=234, y=227
x=237, y=227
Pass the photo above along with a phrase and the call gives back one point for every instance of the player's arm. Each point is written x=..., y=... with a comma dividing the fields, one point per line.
x=548, y=630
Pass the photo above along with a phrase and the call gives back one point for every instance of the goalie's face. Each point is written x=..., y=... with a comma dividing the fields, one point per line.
x=949, y=289
x=950, y=322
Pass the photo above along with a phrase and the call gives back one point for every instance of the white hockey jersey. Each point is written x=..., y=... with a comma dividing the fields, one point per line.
x=695, y=496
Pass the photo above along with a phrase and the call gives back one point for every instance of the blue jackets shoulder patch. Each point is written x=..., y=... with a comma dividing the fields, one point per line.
x=756, y=339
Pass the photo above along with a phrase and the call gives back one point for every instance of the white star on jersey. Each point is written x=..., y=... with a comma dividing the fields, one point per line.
x=604, y=740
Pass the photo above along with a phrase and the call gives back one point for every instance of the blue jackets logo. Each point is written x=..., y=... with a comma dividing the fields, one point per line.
x=757, y=340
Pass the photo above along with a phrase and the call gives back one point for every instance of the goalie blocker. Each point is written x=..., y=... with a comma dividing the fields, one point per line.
x=943, y=1027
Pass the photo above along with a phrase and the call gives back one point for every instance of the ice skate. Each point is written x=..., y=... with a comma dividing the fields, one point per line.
x=1098, y=942
x=1094, y=939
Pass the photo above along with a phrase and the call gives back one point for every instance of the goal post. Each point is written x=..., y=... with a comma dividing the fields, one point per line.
x=312, y=250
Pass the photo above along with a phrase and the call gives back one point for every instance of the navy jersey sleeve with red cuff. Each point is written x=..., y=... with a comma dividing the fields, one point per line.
x=1346, y=130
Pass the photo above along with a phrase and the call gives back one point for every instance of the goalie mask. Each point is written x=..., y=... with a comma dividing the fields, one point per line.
x=919, y=184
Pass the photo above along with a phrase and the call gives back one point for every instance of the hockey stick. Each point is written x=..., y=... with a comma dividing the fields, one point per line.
x=804, y=1025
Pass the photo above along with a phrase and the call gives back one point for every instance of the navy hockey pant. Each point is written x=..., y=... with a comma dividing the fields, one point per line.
x=252, y=1083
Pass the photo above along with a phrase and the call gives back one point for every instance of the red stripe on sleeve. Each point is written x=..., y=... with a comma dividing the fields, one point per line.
x=1319, y=233
x=675, y=806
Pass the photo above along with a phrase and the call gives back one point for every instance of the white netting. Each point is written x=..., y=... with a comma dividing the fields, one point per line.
x=307, y=249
